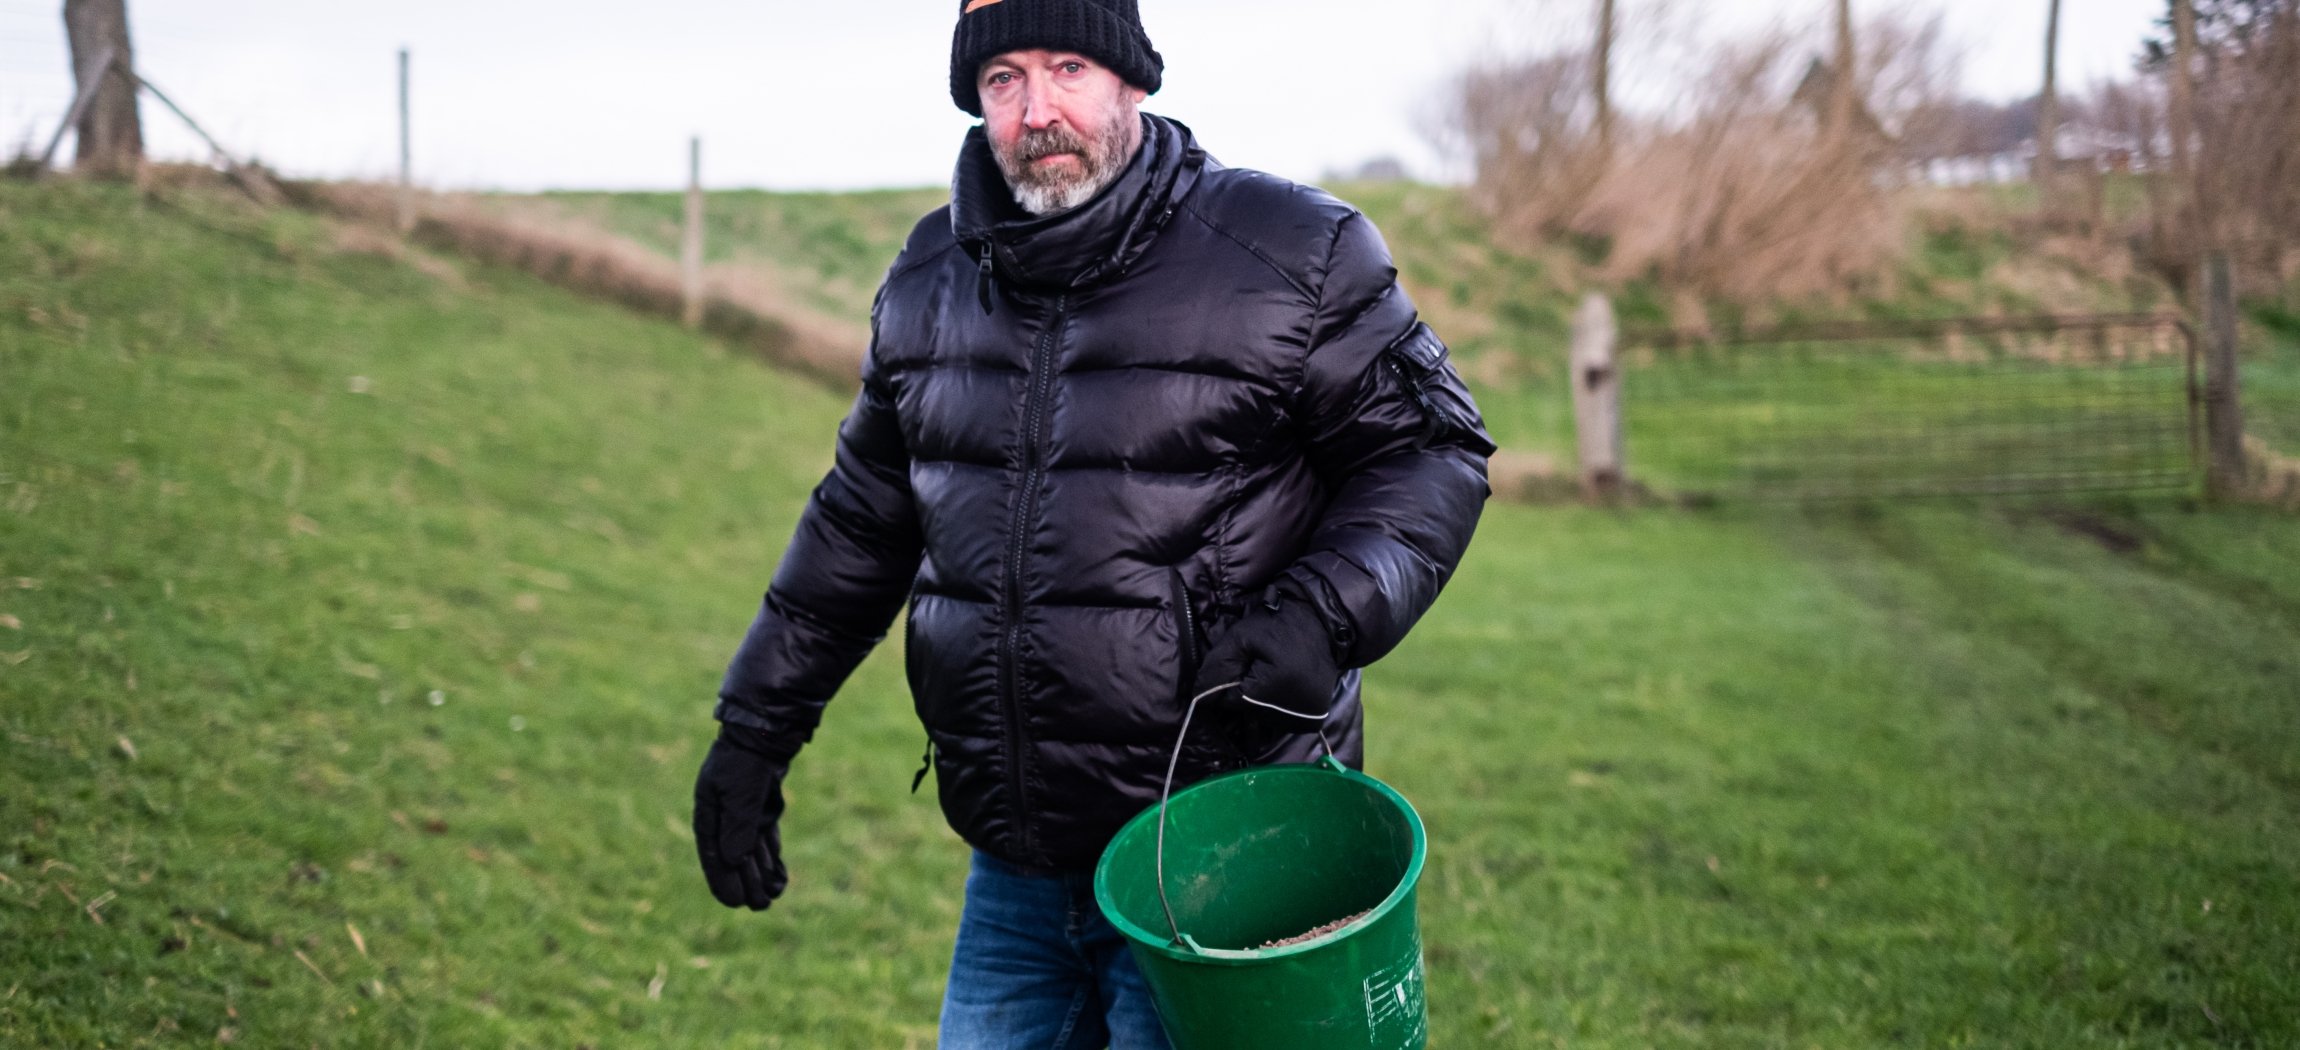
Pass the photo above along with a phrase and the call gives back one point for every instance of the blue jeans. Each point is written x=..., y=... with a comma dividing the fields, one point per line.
x=1037, y=967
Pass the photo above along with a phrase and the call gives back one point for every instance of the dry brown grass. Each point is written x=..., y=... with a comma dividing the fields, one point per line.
x=353, y=238
x=1530, y=477
x=744, y=309
x=2275, y=478
x=1747, y=193
x=1748, y=208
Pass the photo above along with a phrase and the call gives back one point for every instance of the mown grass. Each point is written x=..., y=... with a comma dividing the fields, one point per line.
x=1941, y=775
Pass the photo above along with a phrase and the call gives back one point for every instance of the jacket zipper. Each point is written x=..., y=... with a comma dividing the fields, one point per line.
x=910, y=647
x=982, y=278
x=925, y=766
x=1413, y=382
x=1025, y=511
x=1187, y=650
x=1187, y=621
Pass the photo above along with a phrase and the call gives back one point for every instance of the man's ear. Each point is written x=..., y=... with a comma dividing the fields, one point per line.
x=1137, y=94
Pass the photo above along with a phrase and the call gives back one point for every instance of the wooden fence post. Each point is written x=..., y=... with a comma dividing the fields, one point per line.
x=406, y=216
x=691, y=239
x=1597, y=398
x=2223, y=407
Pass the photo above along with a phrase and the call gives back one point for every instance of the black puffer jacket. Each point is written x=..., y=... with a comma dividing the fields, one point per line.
x=1081, y=443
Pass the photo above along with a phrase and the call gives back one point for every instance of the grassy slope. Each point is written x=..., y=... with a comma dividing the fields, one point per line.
x=541, y=509
x=830, y=249
x=1505, y=312
x=1914, y=777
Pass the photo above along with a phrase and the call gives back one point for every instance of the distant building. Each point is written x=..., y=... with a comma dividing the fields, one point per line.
x=1970, y=141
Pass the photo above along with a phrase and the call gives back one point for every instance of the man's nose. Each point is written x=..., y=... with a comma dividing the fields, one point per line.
x=1037, y=105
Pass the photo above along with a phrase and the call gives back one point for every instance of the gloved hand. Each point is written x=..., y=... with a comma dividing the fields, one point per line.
x=1282, y=654
x=738, y=800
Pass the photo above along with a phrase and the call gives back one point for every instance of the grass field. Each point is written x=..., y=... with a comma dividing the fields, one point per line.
x=359, y=622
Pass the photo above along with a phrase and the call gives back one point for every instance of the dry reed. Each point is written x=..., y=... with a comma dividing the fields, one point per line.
x=1749, y=191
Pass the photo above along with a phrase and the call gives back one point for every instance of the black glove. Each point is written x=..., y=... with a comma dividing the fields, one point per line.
x=1284, y=657
x=738, y=799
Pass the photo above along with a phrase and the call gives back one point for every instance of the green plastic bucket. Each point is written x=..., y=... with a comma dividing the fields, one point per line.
x=1263, y=855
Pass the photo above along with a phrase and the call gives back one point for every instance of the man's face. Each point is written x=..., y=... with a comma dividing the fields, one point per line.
x=1061, y=126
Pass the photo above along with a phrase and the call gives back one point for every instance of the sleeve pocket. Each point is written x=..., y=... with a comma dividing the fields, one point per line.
x=1419, y=361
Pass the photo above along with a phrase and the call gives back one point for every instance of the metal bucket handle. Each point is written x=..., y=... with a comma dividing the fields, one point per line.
x=1166, y=790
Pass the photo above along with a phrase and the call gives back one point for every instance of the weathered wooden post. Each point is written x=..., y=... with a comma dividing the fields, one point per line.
x=406, y=211
x=1596, y=377
x=111, y=132
x=691, y=239
x=2224, y=474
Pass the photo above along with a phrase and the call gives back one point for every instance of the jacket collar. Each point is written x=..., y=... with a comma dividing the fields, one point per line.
x=1088, y=244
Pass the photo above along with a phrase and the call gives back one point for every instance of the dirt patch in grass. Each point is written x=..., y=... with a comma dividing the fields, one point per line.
x=2112, y=537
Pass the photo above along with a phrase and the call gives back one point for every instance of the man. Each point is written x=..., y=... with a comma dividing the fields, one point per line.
x=1132, y=425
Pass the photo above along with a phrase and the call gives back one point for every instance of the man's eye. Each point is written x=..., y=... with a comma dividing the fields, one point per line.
x=1001, y=78
x=1074, y=67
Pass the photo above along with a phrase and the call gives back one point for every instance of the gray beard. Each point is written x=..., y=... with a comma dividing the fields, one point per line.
x=1043, y=199
x=1104, y=157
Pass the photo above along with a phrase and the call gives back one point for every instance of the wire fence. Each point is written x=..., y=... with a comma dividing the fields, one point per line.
x=37, y=85
x=1978, y=406
x=2271, y=407
x=2272, y=382
x=35, y=78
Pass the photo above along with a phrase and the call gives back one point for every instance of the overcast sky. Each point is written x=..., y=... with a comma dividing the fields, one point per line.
x=526, y=94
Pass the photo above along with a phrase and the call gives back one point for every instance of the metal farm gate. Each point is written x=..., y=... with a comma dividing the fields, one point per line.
x=1969, y=406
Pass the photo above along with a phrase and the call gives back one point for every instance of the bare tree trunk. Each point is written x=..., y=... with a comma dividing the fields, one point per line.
x=2192, y=201
x=1841, y=99
x=111, y=134
x=2048, y=114
x=2288, y=208
x=2183, y=116
x=1604, y=78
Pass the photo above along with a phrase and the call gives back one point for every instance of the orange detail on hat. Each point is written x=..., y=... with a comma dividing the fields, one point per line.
x=976, y=5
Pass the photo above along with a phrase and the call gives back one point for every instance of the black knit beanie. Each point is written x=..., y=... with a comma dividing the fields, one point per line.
x=1107, y=31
